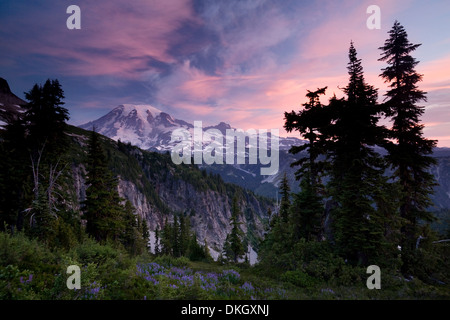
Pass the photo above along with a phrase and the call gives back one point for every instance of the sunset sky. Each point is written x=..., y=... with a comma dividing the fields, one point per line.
x=241, y=62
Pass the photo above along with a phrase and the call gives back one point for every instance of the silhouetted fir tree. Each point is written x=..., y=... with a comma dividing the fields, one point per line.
x=312, y=123
x=41, y=127
x=309, y=122
x=357, y=170
x=409, y=155
x=45, y=117
x=102, y=208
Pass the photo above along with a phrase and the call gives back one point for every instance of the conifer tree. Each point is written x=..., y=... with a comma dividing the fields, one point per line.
x=166, y=238
x=45, y=117
x=195, y=251
x=145, y=234
x=157, y=242
x=357, y=170
x=409, y=155
x=40, y=127
x=15, y=175
x=310, y=123
x=233, y=246
x=307, y=208
x=131, y=238
x=103, y=211
x=175, y=239
x=285, y=203
x=185, y=234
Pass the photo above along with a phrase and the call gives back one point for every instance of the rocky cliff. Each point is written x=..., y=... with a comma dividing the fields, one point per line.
x=159, y=189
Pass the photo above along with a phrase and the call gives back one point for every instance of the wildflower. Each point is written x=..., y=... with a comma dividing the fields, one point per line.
x=247, y=287
x=327, y=290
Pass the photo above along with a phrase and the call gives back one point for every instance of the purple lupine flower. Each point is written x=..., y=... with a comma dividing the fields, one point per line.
x=247, y=286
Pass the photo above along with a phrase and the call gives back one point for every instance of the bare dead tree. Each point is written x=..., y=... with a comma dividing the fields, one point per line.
x=54, y=174
x=35, y=164
x=51, y=192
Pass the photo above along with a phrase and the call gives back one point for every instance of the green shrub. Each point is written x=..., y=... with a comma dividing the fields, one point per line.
x=91, y=251
x=351, y=276
x=299, y=279
x=25, y=253
x=169, y=261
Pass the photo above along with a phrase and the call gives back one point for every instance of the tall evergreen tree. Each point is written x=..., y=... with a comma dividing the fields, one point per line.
x=409, y=155
x=15, y=175
x=234, y=248
x=357, y=170
x=37, y=134
x=166, y=238
x=103, y=211
x=46, y=117
x=310, y=123
x=176, y=244
x=185, y=234
x=157, y=242
x=285, y=203
x=145, y=234
x=132, y=236
x=306, y=212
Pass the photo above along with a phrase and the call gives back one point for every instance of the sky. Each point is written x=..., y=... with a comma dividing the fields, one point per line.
x=244, y=62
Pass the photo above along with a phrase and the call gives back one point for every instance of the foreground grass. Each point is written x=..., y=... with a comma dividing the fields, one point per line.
x=30, y=270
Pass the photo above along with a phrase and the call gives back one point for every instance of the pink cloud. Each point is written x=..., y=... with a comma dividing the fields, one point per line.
x=116, y=37
x=436, y=74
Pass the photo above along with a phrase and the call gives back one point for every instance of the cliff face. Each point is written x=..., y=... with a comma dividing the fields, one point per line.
x=159, y=189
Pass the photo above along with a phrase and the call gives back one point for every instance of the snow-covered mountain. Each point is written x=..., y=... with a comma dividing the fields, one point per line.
x=142, y=125
x=150, y=128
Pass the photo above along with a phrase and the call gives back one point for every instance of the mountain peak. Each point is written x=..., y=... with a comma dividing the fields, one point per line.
x=141, y=109
x=4, y=87
x=224, y=125
x=9, y=104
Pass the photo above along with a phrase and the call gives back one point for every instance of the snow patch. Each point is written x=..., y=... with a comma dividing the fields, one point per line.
x=141, y=110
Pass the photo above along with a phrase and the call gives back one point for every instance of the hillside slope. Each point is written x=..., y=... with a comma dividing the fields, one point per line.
x=159, y=189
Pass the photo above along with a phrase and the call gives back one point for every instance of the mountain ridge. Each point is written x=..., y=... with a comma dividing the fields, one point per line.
x=244, y=175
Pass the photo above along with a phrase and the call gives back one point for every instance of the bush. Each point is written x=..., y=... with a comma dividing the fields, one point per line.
x=25, y=253
x=299, y=279
x=91, y=251
x=170, y=261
